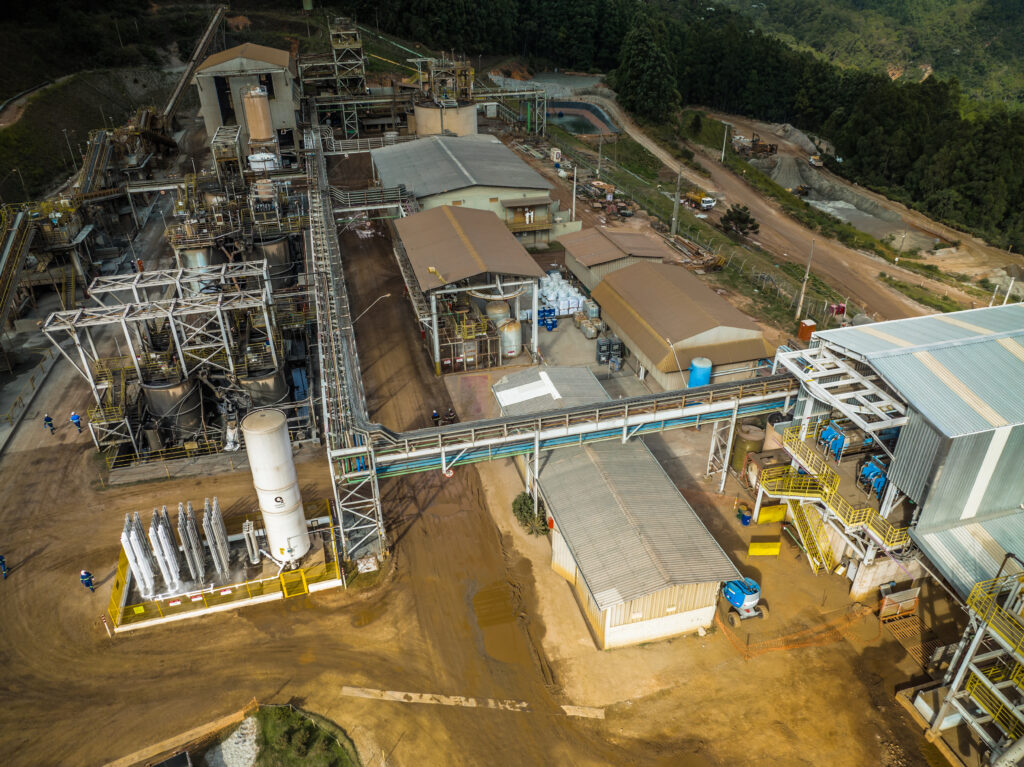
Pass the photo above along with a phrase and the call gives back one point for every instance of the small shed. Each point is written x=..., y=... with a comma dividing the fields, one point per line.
x=593, y=254
x=667, y=317
x=641, y=563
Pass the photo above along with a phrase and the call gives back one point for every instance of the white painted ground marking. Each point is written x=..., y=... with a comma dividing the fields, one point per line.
x=458, y=700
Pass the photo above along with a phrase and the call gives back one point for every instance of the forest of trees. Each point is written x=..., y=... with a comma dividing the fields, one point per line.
x=908, y=140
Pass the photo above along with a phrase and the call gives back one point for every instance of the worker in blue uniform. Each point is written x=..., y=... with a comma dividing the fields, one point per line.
x=3, y=567
x=86, y=579
x=76, y=419
x=48, y=423
x=435, y=417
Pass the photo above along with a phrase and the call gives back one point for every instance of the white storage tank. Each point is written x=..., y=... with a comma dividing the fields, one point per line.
x=510, y=339
x=276, y=483
x=498, y=312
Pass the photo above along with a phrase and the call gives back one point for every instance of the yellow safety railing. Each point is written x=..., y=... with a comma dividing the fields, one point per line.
x=823, y=484
x=295, y=583
x=117, y=592
x=812, y=531
x=984, y=601
x=1003, y=715
x=106, y=414
x=186, y=450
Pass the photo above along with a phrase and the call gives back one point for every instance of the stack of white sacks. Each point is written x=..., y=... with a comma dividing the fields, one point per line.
x=557, y=294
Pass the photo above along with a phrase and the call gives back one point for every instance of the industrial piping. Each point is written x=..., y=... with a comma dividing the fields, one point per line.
x=277, y=485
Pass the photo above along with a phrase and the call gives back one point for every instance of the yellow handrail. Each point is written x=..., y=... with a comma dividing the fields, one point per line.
x=983, y=600
x=1003, y=715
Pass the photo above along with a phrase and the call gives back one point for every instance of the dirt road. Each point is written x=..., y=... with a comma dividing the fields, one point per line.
x=468, y=608
x=849, y=271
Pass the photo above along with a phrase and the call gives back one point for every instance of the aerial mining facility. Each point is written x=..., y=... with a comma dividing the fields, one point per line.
x=226, y=291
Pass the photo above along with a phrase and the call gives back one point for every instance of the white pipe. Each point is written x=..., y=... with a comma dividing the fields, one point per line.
x=276, y=483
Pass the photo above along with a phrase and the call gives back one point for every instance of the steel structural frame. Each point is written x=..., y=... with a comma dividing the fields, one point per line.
x=197, y=325
x=360, y=514
x=222, y=274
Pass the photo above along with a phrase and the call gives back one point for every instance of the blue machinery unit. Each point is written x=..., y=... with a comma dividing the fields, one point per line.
x=872, y=475
x=743, y=595
x=840, y=439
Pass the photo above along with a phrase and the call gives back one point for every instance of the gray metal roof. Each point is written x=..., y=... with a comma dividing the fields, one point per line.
x=963, y=371
x=446, y=163
x=548, y=388
x=967, y=554
x=628, y=527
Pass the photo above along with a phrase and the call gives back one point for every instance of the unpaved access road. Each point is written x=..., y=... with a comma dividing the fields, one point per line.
x=849, y=271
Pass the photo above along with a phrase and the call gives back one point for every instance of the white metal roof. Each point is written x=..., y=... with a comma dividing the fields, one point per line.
x=963, y=371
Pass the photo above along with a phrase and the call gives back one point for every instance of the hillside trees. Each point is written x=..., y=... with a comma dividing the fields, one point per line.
x=644, y=80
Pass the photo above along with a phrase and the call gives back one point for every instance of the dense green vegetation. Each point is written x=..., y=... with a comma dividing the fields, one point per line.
x=45, y=42
x=288, y=737
x=908, y=140
x=976, y=41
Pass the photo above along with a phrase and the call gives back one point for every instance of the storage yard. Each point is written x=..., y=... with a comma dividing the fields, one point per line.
x=314, y=374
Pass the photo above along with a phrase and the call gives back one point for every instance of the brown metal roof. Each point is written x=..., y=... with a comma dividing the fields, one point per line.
x=448, y=244
x=524, y=202
x=275, y=56
x=652, y=304
x=596, y=246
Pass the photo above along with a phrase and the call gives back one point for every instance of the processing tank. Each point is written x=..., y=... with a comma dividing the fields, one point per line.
x=276, y=483
x=176, y=406
x=266, y=389
x=277, y=253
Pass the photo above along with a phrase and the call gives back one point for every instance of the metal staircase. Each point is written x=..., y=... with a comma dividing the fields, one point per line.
x=814, y=536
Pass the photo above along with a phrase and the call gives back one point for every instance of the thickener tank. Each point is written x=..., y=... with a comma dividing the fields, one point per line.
x=700, y=372
x=278, y=255
x=510, y=339
x=266, y=389
x=177, y=406
x=277, y=485
x=432, y=120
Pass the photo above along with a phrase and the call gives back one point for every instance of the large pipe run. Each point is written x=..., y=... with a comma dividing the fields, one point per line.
x=277, y=485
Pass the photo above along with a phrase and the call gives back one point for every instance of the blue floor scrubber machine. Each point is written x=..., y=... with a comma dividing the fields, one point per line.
x=743, y=596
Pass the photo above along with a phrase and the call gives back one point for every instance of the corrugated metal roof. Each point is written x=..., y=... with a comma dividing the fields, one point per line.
x=446, y=163
x=537, y=389
x=448, y=244
x=653, y=304
x=963, y=371
x=251, y=51
x=629, y=528
x=967, y=554
x=596, y=246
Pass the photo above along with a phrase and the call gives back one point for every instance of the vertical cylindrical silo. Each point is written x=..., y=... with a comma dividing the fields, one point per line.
x=277, y=486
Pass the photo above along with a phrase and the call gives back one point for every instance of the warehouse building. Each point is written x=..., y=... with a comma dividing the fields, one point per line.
x=668, y=318
x=922, y=420
x=476, y=172
x=593, y=254
x=640, y=562
x=224, y=79
x=470, y=281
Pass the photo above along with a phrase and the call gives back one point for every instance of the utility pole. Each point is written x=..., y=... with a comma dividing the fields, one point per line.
x=725, y=135
x=600, y=146
x=803, y=286
x=675, y=201
x=573, y=217
x=70, y=150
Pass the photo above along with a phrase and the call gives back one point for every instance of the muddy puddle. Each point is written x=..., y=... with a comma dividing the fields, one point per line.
x=495, y=614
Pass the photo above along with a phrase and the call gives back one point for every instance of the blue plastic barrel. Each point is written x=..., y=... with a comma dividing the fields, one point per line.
x=700, y=372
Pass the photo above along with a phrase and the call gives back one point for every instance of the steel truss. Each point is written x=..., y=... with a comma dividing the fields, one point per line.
x=198, y=326
x=344, y=402
x=186, y=282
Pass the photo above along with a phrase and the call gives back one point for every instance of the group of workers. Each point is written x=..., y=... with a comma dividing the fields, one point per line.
x=75, y=419
x=86, y=577
x=438, y=420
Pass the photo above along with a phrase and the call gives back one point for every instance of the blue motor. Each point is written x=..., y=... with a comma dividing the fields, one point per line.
x=833, y=439
x=873, y=475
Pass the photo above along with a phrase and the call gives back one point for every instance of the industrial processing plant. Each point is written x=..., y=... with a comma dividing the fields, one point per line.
x=341, y=344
